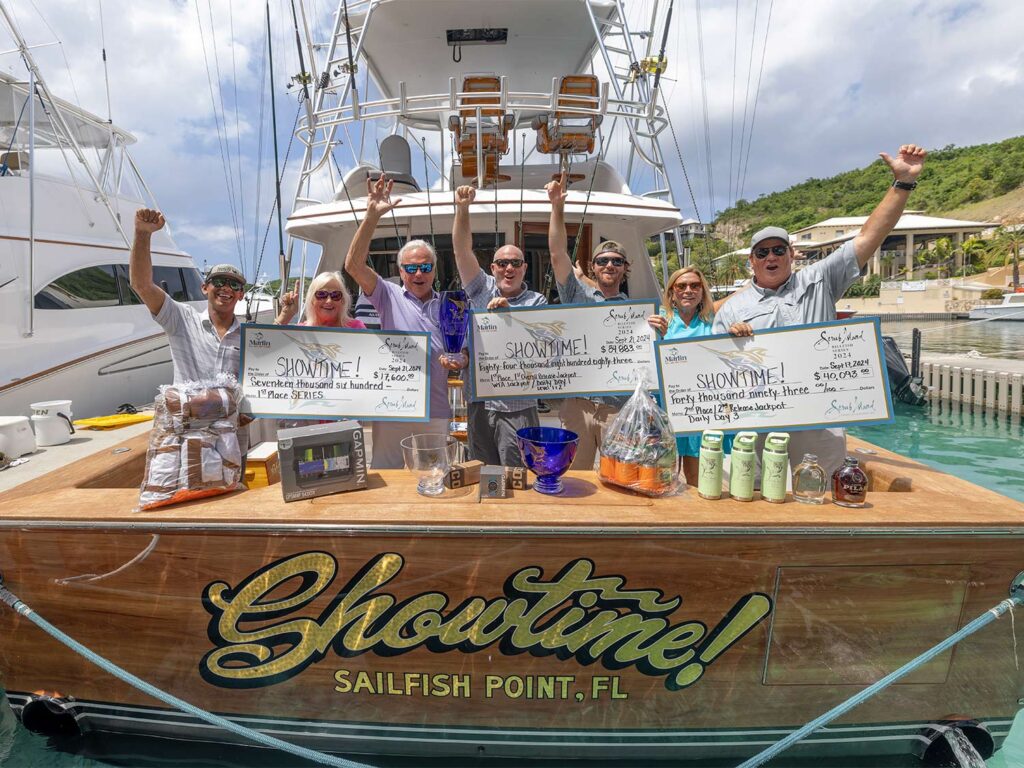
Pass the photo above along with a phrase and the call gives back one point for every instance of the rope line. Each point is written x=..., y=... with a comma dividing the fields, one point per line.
x=12, y=600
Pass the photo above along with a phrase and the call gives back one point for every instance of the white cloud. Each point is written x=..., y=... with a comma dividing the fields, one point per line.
x=842, y=80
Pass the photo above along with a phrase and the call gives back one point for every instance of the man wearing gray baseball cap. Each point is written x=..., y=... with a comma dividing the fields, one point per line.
x=780, y=297
x=205, y=343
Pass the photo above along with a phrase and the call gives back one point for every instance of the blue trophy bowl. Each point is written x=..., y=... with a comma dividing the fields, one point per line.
x=547, y=452
x=453, y=319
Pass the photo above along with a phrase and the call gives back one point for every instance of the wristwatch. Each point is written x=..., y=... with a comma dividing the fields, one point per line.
x=909, y=186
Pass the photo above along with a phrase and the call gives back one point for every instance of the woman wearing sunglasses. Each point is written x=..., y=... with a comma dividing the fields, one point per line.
x=328, y=304
x=688, y=311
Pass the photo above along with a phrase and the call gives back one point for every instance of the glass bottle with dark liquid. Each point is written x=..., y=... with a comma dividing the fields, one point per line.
x=849, y=484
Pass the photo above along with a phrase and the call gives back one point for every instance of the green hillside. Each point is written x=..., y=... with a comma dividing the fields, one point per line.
x=954, y=179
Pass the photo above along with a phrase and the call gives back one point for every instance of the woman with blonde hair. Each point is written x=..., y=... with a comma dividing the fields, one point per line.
x=328, y=304
x=688, y=311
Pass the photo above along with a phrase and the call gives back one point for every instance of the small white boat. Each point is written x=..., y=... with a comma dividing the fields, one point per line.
x=1012, y=308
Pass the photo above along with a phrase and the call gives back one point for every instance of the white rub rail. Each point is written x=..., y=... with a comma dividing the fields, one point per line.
x=997, y=390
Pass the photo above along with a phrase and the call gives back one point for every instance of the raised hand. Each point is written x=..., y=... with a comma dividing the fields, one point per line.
x=289, y=303
x=378, y=196
x=464, y=197
x=557, y=190
x=148, y=220
x=908, y=163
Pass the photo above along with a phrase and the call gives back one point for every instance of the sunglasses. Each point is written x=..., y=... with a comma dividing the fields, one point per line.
x=332, y=295
x=778, y=250
x=503, y=263
x=604, y=261
x=220, y=282
x=682, y=287
x=412, y=269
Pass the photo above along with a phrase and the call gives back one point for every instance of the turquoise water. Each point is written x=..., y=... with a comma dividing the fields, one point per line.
x=983, y=448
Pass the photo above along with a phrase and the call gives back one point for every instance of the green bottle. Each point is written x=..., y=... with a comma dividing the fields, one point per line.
x=775, y=467
x=709, y=468
x=742, y=466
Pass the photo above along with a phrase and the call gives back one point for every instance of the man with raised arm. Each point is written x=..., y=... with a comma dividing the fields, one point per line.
x=780, y=297
x=493, y=423
x=609, y=267
x=205, y=343
x=405, y=307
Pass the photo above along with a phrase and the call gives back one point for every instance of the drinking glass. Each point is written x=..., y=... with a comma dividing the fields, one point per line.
x=429, y=456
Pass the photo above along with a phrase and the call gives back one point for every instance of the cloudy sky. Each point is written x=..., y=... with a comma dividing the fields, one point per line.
x=841, y=81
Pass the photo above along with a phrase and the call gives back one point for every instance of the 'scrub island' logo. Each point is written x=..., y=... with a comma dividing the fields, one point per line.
x=262, y=640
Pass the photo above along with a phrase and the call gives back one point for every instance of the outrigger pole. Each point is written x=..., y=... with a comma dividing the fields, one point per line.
x=285, y=261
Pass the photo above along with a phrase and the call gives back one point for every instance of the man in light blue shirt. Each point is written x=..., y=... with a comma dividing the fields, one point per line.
x=493, y=423
x=780, y=297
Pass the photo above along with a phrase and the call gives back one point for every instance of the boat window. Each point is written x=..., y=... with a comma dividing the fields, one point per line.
x=169, y=278
x=193, y=284
x=128, y=296
x=83, y=288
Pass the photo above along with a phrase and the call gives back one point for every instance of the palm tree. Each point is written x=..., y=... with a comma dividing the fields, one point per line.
x=974, y=250
x=1008, y=242
x=734, y=267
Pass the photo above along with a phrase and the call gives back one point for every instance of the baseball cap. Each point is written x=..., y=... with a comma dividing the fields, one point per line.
x=610, y=246
x=769, y=232
x=225, y=270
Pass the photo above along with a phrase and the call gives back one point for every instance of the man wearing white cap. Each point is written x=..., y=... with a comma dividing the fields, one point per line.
x=780, y=297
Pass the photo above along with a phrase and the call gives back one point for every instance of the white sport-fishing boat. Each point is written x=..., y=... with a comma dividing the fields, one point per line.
x=1012, y=308
x=70, y=325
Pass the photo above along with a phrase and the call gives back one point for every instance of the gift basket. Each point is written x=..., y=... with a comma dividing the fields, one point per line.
x=639, y=448
x=193, y=448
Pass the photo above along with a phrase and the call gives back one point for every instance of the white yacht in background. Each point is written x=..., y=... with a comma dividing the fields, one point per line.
x=70, y=326
x=1012, y=308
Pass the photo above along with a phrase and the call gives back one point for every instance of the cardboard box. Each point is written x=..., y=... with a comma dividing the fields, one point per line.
x=321, y=459
x=517, y=478
x=461, y=475
x=262, y=465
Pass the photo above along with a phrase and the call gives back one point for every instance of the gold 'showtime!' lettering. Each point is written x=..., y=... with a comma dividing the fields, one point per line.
x=262, y=640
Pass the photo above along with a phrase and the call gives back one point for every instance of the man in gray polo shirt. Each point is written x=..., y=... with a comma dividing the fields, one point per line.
x=780, y=297
x=609, y=267
x=405, y=307
x=493, y=423
x=204, y=343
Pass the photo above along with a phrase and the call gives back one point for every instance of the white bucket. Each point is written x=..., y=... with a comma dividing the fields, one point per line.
x=50, y=407
x=51, y=421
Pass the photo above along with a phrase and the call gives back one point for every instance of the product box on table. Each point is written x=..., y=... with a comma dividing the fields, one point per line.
x=321, y=459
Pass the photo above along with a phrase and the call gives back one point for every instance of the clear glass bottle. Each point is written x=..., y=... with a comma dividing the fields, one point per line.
x=809, y=481
x=850, y=484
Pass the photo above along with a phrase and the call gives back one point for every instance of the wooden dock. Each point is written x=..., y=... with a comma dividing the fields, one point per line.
x=985, y=382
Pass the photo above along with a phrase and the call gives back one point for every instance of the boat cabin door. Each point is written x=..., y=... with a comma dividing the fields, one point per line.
x=532, y=239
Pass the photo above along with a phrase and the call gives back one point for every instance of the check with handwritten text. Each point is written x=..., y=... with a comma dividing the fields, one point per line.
x=807, y=377
x=299, y=372
x=564, y=351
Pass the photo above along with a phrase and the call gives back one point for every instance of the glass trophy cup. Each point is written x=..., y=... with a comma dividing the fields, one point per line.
x=453, y=320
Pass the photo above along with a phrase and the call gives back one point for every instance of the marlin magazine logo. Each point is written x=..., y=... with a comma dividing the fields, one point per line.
x=257, y=339
x=674, y=355
x=485, y=324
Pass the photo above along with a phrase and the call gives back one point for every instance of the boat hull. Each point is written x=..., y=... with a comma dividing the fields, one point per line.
x=462, y=642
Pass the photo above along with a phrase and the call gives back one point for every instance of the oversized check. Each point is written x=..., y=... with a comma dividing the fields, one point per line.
x=561, y=351
x=300, y=372
x=789, y=379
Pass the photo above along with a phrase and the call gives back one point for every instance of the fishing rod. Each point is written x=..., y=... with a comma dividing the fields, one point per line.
x=426, y=180
x=522, y=186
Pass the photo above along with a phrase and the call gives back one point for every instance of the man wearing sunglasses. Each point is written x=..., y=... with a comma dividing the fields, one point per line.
x=202, y=343
x=493, y=423
x=780, y=297
x=405, y=307
x=609, y=267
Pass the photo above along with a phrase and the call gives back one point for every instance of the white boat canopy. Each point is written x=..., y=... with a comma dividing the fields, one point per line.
x=88, y=130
